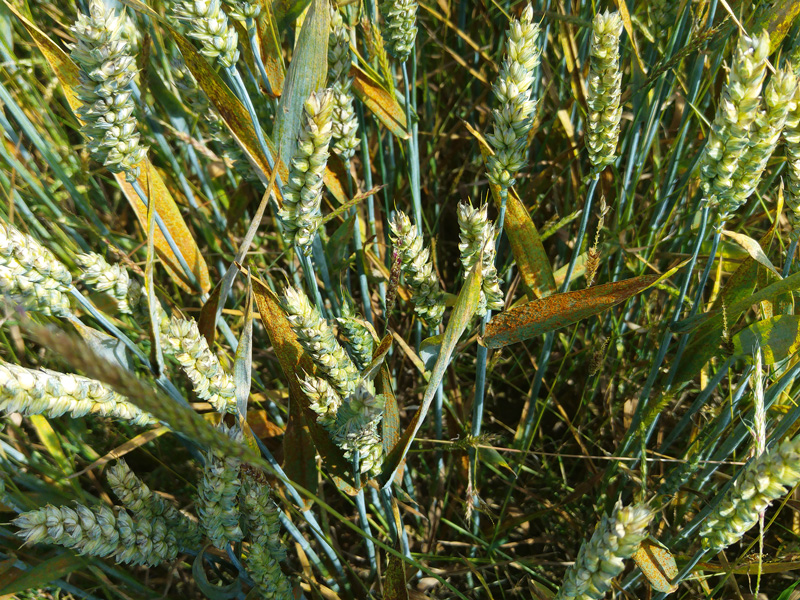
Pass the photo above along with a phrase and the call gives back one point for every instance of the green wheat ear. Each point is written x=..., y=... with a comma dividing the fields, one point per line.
x=32, y=273
x=418, y=269
x=344, y=123
x=478, y=235
x=106, y=70
x=400, y=27
x=44, y=392
x=763, y=480
x=515, y=106
x=730, y=134
x=302, y=194
x=604, y=90
x=100, y=531
x=103, y=277
x=208, y=24
x=602, y=558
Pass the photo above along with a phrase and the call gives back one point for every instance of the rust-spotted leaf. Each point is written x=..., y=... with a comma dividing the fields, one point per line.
x=658, y=565
x=559, y=310
x=395, y=586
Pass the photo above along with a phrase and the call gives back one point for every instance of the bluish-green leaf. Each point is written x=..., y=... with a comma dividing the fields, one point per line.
x=213, y=592
x=307, y=73
x=463, y=311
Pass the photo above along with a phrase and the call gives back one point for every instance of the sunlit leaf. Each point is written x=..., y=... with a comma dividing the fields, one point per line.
x=778, y=338
x=463, y=311
x=559, y=310
x=307, y=73
x=380, y=102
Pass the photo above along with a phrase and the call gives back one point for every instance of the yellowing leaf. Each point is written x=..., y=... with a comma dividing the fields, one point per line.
x=380, y=102
x=778, y=338
x=52, y=442
x=753, y=248
x=778, y=20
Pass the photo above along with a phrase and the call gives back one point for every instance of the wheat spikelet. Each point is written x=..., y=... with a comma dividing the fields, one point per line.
x=30, y=272
x=302, y=194
x=106, y=70
x=478, y=235
x=603, y=557
x=400, y=27
x=512, y=90
x=418, y=270
x=208, y=24
x=763, y=480
x=31, y=392
x=604, y=90
x=100, y=531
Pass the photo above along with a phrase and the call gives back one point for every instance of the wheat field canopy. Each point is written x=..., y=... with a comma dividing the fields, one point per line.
x=306, y=299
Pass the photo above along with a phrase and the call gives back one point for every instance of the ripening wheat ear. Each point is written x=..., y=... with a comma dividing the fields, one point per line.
x=602, y=558
x=764, y=137
x=31, y=392
x=210, y=381
x=208, y=24
x=100, y=531
x=218, y=490
x=302, y=194
x=730, y=133
x=344, y=124
x=103, y=277
x=418, y=270
x=265, y=551
x=400, y=27
x=317, y=339
x=604, y=90
x=513, y=116
x=763, y=480
x=31, y=272
x=140, y=500
x=106, y=70
x=478, y=234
